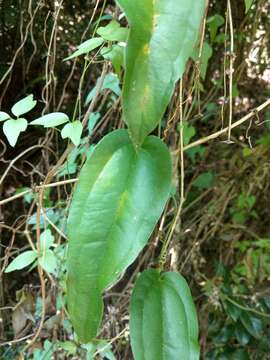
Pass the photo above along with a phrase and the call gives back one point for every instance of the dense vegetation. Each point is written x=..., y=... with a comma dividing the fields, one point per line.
x=215, y=227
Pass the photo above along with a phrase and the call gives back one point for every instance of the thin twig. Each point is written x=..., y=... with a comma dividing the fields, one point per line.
x=230, y=71
x=164, y=250
x=191, y=145
x=225, y=130
x=45, y=186
x=16, y=159
x=15, y=340
x=40, y=273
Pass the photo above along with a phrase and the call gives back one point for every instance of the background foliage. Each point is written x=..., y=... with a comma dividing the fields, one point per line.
x=221, y=242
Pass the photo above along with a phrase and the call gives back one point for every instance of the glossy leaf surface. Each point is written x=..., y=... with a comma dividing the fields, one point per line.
x=162, y=37
x=163, y=324
x=116, y=205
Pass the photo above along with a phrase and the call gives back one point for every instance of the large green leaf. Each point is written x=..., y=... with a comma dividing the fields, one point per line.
x=117, y=202
x=162, y=38
x=163, y=324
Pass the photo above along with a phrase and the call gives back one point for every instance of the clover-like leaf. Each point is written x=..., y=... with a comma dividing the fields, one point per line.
x=12, y=129
x=73, y=131
x=46, y=239
x=51, y=120
x=4, y=116
x=48, y=261
x=115, y=54
x=113, y=32
x=23, y=106
x=111, y=81
x=21, y=261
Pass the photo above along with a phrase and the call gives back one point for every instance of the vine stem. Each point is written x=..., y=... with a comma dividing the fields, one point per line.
x=254, y=311
x=164, y=250
x=17, y=158
x=230, y=71
x=37, y=188
x=40, y=273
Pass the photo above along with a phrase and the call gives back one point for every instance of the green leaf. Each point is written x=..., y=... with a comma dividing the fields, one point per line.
x=252, y=324
x=90, y=350
x=113, y=32
x=189, y=131
x=242, y=335
x=51, y=120
x=23, y=106
x=46, y=353
x=207, y=53
x=224, y=334
x=214, y=22
x=105, y=351
x=73, y=131
x=204, y=181
x=86, y=47
x=69, y=346
x=240, y=354
x=21, y=261
x=93, y=119
x=156, y=57
x=248, y=4
x=12, y=129
x=163, y=323
x=111, y=81
x=195, y=151
x=4, y=116
x=46, y=239
x=232, y=310
x=117, y=202
x=27, y=197
x=48, y=261
x=116, y=55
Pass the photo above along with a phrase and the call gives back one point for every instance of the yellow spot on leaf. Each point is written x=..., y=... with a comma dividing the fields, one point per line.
x=146, y=49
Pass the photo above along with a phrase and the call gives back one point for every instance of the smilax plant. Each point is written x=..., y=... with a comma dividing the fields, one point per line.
x=125, y=184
